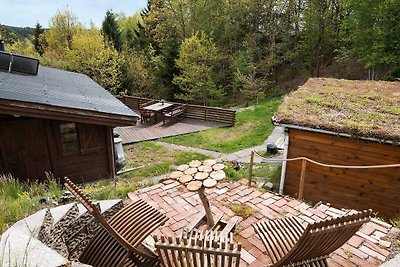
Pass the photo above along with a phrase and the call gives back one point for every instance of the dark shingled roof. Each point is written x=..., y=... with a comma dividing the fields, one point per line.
x=58, y=88
x=368, y=109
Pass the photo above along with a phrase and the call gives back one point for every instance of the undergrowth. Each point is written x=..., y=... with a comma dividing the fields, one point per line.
x=18, y=199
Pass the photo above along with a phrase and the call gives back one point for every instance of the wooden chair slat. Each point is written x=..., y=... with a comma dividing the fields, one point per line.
x=119, y=241
x=204, y=249
x=289, y=243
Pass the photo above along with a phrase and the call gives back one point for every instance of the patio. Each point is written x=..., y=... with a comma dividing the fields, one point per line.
x=367, y=248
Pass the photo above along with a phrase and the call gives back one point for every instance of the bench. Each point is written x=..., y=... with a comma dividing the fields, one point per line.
x=174, y=113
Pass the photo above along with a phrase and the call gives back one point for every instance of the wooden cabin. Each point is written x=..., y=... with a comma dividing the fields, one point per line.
x=342, y=122
x=58, y=121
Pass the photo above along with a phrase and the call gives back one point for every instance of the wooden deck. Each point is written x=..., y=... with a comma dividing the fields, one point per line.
x=148, y=131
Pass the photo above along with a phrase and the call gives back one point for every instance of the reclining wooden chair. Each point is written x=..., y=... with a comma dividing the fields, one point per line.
x=119, y=241
x=288, y=243
x=208, y=249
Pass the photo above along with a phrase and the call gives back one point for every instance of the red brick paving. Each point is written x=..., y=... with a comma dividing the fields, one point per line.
x=363, y=249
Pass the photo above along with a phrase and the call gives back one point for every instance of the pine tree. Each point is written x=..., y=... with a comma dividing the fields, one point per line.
x=37, y=39
x=111, y=31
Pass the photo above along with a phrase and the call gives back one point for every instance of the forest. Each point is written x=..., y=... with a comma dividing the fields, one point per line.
x=221, y=52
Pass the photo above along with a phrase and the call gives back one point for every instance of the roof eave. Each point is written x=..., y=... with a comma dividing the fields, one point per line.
x=65, y=114
x=323, y=131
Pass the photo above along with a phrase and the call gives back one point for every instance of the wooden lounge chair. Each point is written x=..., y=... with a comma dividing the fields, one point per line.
x=119, y=241
x=208, y=249
x=289, y=243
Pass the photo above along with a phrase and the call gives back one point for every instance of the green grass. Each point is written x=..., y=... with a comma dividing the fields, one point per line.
x=242, y=210
x=261, y=172
x=155, y=159
x=17, y=200
x=252, y=127
x=111, y=188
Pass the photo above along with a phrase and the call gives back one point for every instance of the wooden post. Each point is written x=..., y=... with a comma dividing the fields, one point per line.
x=251, y=168
x=302, y=179
x=206, y=204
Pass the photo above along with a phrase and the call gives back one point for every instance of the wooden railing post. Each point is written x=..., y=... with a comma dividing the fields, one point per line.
x=302, y=179
x=251, y=168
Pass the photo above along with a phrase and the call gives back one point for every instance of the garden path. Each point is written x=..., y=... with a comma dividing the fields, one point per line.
x=276, y=137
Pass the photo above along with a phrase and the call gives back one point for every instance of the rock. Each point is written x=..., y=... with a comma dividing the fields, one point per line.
x=268, y=186
x=236, y=165
x=44, y=200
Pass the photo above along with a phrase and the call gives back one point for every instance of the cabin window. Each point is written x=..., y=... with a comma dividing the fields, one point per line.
x=89, y=136
x=69, y=138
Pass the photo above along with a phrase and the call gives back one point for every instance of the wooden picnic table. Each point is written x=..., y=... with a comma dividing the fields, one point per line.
x=158, y=107
x=199, y=175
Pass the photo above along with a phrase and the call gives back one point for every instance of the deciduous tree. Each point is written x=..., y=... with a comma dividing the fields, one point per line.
x=198, y=63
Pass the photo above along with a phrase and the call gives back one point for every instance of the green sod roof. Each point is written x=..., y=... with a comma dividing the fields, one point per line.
x=359, y=108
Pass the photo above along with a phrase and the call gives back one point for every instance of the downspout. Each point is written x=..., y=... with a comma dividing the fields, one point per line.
x=285, y=155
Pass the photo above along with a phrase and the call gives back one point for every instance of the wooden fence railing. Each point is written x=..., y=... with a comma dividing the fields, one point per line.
x=304, y=166
x=193, y=111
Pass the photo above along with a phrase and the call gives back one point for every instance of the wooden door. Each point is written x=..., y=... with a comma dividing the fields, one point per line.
x=23, y=148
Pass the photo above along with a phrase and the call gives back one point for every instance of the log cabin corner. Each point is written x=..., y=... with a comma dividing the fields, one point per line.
x=343, y=122
x=57, y=121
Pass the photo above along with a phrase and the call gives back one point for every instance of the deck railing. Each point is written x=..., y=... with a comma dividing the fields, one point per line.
x=193, y=111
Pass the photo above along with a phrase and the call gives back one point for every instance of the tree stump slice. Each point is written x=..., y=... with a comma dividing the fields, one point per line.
x=218, y=166
x=209, y=162
x=183, y=167
x=185, y=179
x=195, y=163
x=175, y=175
x=209, y=182
x=201, y=176
x=190, y=171
x=194, y=185
x=218, y=175
x=205, y=168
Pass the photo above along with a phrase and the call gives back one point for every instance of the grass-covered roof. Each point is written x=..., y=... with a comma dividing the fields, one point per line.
x=360, y=108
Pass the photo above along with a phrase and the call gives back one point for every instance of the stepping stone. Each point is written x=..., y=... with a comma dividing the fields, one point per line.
x=209, y=183
x=195, y=163
x=194, y=186
x=183, y=167
x=201, y=176
x=185, y=179
x=218, y=175
x=209, y=162
x=205, y=168
x=190, y=171
x=218, y=166
x=176, y=175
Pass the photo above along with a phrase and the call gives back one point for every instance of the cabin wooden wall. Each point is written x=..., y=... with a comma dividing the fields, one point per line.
x=84, y=166
x=23, y=150
x=378, y=189
x=29, y=147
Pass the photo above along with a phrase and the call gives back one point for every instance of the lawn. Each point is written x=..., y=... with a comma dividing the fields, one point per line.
x=152, y=160
x=252, y=127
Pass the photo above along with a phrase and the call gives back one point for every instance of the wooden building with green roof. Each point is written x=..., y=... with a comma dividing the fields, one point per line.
x=343, y=122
